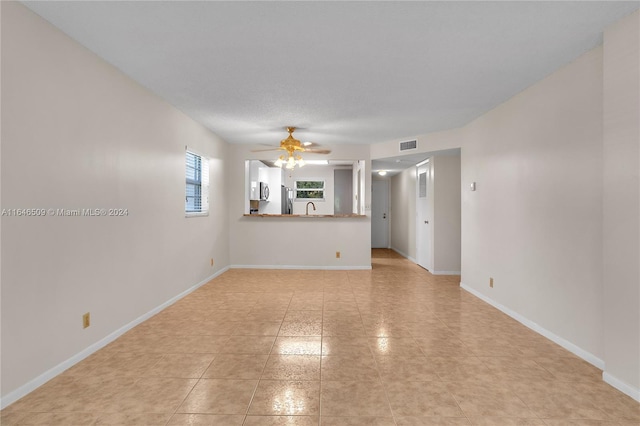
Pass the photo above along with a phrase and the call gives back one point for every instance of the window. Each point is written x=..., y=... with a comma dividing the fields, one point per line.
x=309, y=190
x=197, y=189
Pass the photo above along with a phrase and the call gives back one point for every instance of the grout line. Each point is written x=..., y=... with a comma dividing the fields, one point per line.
x=267, y=361
x=375, y=362
x=192, y=388
x=321, y=357
x=466, y=416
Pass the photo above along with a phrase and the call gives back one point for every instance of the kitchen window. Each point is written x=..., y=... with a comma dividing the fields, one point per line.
x=197, y=185
x=309, y=190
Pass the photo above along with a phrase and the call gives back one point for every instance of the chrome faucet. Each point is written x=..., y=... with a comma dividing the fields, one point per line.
x=306, y=211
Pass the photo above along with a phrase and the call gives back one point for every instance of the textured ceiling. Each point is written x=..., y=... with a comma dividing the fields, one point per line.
x=344, y=72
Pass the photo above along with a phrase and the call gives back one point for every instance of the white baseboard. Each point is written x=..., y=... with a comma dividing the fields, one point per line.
x=623, y=387
x=446, y=273
x=30, y=386
x=613, y=381
x=576, y=350
x=401, y=253
x=303, y=267
x=404, y=255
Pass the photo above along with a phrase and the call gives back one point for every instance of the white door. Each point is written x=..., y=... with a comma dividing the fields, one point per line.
x=358, y=209
x=380, y=214
x=423, y=225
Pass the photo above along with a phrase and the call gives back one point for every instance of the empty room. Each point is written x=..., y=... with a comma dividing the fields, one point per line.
x=320, y=213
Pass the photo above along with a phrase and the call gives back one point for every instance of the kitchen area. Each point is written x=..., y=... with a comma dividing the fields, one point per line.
x=270, y=239
x=324, y=188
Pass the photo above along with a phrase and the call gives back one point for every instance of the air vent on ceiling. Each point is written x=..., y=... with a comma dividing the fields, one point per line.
x=404, y=146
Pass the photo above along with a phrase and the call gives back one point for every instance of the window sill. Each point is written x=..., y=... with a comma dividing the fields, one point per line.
x=196, y=214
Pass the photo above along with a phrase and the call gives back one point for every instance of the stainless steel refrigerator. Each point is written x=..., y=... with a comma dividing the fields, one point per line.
x=287, y=200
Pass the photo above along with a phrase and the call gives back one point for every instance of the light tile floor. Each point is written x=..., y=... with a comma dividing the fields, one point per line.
x=390, y=346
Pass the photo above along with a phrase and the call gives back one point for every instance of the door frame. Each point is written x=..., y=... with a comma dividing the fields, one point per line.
x=424, y=236
x=387, y=230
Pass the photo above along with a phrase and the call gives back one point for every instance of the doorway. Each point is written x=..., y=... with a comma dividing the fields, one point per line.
x=424, y=188
x=380, y=214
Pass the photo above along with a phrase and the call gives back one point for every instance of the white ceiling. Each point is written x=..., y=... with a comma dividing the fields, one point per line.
x=344, y=72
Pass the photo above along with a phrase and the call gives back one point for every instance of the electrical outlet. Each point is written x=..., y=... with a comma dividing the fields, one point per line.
x=212, y=261
x=86, y=320
x=337, y=255
x=491, y=282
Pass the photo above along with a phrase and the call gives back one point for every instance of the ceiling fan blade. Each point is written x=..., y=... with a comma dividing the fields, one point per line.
x=264, y=150
x=317, y=151
x=293, y=146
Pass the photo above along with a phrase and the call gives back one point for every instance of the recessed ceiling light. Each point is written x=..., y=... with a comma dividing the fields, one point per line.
x=307, y=143
x=318, y=162
x=382, y=172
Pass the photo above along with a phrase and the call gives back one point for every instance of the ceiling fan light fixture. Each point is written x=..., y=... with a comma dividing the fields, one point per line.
x=291, y=163
x=292, y=148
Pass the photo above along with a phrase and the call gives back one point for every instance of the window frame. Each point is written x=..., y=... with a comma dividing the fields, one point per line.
x=296, y=189
x=200, y=180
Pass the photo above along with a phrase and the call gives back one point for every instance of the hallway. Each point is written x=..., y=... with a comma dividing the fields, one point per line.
x=391, y=346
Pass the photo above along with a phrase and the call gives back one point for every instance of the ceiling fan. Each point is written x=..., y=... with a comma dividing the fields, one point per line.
x=293, y=147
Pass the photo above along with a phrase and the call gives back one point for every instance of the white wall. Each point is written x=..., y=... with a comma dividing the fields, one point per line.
x=297, y=242
x=77, y=133
x=533, y=222
x=621, y=275
x=447, y=214
x=403, y=213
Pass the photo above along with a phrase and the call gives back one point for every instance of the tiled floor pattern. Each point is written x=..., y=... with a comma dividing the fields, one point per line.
x=390, y=346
